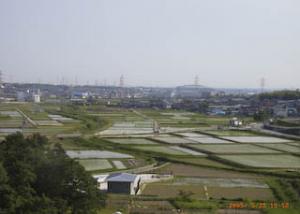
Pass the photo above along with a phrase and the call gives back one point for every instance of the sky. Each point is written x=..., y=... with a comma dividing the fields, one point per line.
x=226, y=43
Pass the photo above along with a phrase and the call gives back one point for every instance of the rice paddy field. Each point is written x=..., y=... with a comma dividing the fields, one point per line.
x=129, y=141
x=33, y=118
x=184, y=170
x=209, y=140
x=87, y=154
x=118, y=164
x=201, y=162
x=283, y=147
x=95, y=164
x=169, y=150
x=192, y=134
x=102, y=164
x=294, y=144
x=257, y=139
x=235, y=149
x=172, y=139
x=127, y=128
x=230, y=165
x=230, y=133
x=170, y=190
x=265, y=161
x=221, y=182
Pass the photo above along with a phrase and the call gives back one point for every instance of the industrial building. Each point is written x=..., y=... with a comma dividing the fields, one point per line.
x=192, y=91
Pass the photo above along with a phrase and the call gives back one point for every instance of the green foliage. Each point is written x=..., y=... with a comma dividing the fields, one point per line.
x=262, y=115
x=185, y=196
x=281, y=95
x=284, y=189
x=195, y=204
x=37, y=179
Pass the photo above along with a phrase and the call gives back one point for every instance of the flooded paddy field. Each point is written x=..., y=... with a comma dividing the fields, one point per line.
x=95, y=164
x=283, y=147
x=86, y=154
x=169, y=150
x=234, y=149
x=257, y=139
x=172, y=139
x=129, y=141
x=209, y=140
x=265, y=161
x=192, y=134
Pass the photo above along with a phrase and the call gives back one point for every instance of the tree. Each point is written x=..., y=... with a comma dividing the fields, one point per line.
x=262, y=115
x=37, y=179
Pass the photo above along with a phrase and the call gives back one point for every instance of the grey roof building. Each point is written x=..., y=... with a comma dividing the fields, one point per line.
x=124, y=183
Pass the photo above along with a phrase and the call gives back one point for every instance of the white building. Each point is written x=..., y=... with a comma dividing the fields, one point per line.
x=36, y=98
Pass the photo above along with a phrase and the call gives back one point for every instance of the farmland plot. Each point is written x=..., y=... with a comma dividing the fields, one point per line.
x=11, y=123
x=221, y=182
x=188, y=151
x=265, y=161
x=141, y=141
x=201, y=172
x=47, y=123
x=229, y=133
x=264, y=194
x=178, y=115
x=95, y=164
x=10, y=130
x=126, y=131
x=11, y=113
x=283, y=147
x=192, y=135
x=209, y=140
x=128, y=128
x=234, y=149
x=257, y=139
x=162, y=149
x=294, y=144
x=86, y=154
x=60, y=118
x=166, y=190
x=119, y=164
x=173, y=140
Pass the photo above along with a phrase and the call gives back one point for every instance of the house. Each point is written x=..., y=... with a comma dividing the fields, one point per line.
x=124, y=183
x=235, y=122
x=284, y=111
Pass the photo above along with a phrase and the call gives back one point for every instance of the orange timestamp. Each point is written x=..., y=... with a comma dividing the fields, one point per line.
x=259, y=205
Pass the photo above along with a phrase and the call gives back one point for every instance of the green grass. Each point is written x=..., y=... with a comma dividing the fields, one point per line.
x=282, y=211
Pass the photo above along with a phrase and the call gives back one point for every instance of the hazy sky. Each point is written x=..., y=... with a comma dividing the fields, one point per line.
x=227, y=43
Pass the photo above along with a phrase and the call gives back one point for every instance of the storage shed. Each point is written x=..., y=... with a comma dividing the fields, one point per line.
x=124, y=183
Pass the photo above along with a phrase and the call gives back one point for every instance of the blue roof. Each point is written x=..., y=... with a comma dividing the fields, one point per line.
x=121, y=177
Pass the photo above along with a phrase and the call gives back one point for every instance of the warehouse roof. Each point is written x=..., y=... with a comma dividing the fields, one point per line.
x=121, y=177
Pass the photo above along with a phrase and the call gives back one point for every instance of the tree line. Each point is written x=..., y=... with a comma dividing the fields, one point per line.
x=38, y=178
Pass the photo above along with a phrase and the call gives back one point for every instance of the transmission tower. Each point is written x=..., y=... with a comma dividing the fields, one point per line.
x=262, y=84
x=121, y=84
x=0, y=77
x=196, y=80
